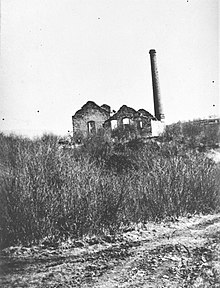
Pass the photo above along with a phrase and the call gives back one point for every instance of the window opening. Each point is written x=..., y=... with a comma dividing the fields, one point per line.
x=114, y=124
x=126, y=121
x=140, y=124
x=91, y=127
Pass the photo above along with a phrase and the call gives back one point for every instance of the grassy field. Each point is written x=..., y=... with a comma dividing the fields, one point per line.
x=53, y=193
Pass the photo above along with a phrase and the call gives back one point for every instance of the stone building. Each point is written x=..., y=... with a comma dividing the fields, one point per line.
x=139, y=120
x=91, y=117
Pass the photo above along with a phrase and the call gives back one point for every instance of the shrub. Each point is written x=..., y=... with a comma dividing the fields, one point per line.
x=57, y=193
x=194, y=134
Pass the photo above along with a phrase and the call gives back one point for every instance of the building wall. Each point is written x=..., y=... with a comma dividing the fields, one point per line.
x=142, y=125
x=80, y=123
x=91, y=117
x=139, y=120
x=157, y=128
x=146, y=128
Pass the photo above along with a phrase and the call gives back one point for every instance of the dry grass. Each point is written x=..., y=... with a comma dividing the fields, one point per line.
x=56, y=193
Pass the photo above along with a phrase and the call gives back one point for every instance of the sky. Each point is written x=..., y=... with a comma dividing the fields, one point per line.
x=58, y=54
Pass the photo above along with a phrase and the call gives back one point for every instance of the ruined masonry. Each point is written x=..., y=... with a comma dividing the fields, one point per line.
x=91, y=117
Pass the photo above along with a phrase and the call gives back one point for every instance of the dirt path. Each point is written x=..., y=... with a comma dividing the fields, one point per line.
x=173, y=254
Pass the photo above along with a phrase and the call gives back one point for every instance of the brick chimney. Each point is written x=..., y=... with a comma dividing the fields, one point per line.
x=158, y=109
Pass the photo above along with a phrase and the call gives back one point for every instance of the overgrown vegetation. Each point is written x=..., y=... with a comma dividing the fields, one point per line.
x=54, y=193
x=194, y=134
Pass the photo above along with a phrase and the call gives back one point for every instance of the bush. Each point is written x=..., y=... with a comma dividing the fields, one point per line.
x=99, y=187
x=197, y=134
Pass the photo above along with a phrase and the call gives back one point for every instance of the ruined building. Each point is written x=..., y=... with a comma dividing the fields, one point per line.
x=91, y=117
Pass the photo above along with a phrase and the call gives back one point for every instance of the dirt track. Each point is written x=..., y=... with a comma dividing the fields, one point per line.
x=173, y=254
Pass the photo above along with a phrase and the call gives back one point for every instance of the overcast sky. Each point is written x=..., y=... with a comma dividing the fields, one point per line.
x=58, y=54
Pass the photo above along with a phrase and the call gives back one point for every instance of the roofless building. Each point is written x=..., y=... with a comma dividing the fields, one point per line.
x=91, y=117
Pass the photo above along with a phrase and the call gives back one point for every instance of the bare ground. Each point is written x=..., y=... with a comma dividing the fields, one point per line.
x=184, y=253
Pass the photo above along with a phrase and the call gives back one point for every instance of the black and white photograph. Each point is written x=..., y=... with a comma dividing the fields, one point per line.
x=109, y=144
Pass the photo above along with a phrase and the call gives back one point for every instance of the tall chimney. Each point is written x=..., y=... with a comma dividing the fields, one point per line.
x=158, y=109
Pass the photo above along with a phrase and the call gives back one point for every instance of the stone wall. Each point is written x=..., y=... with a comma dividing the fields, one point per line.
x=89, y=119
x=140, y=120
